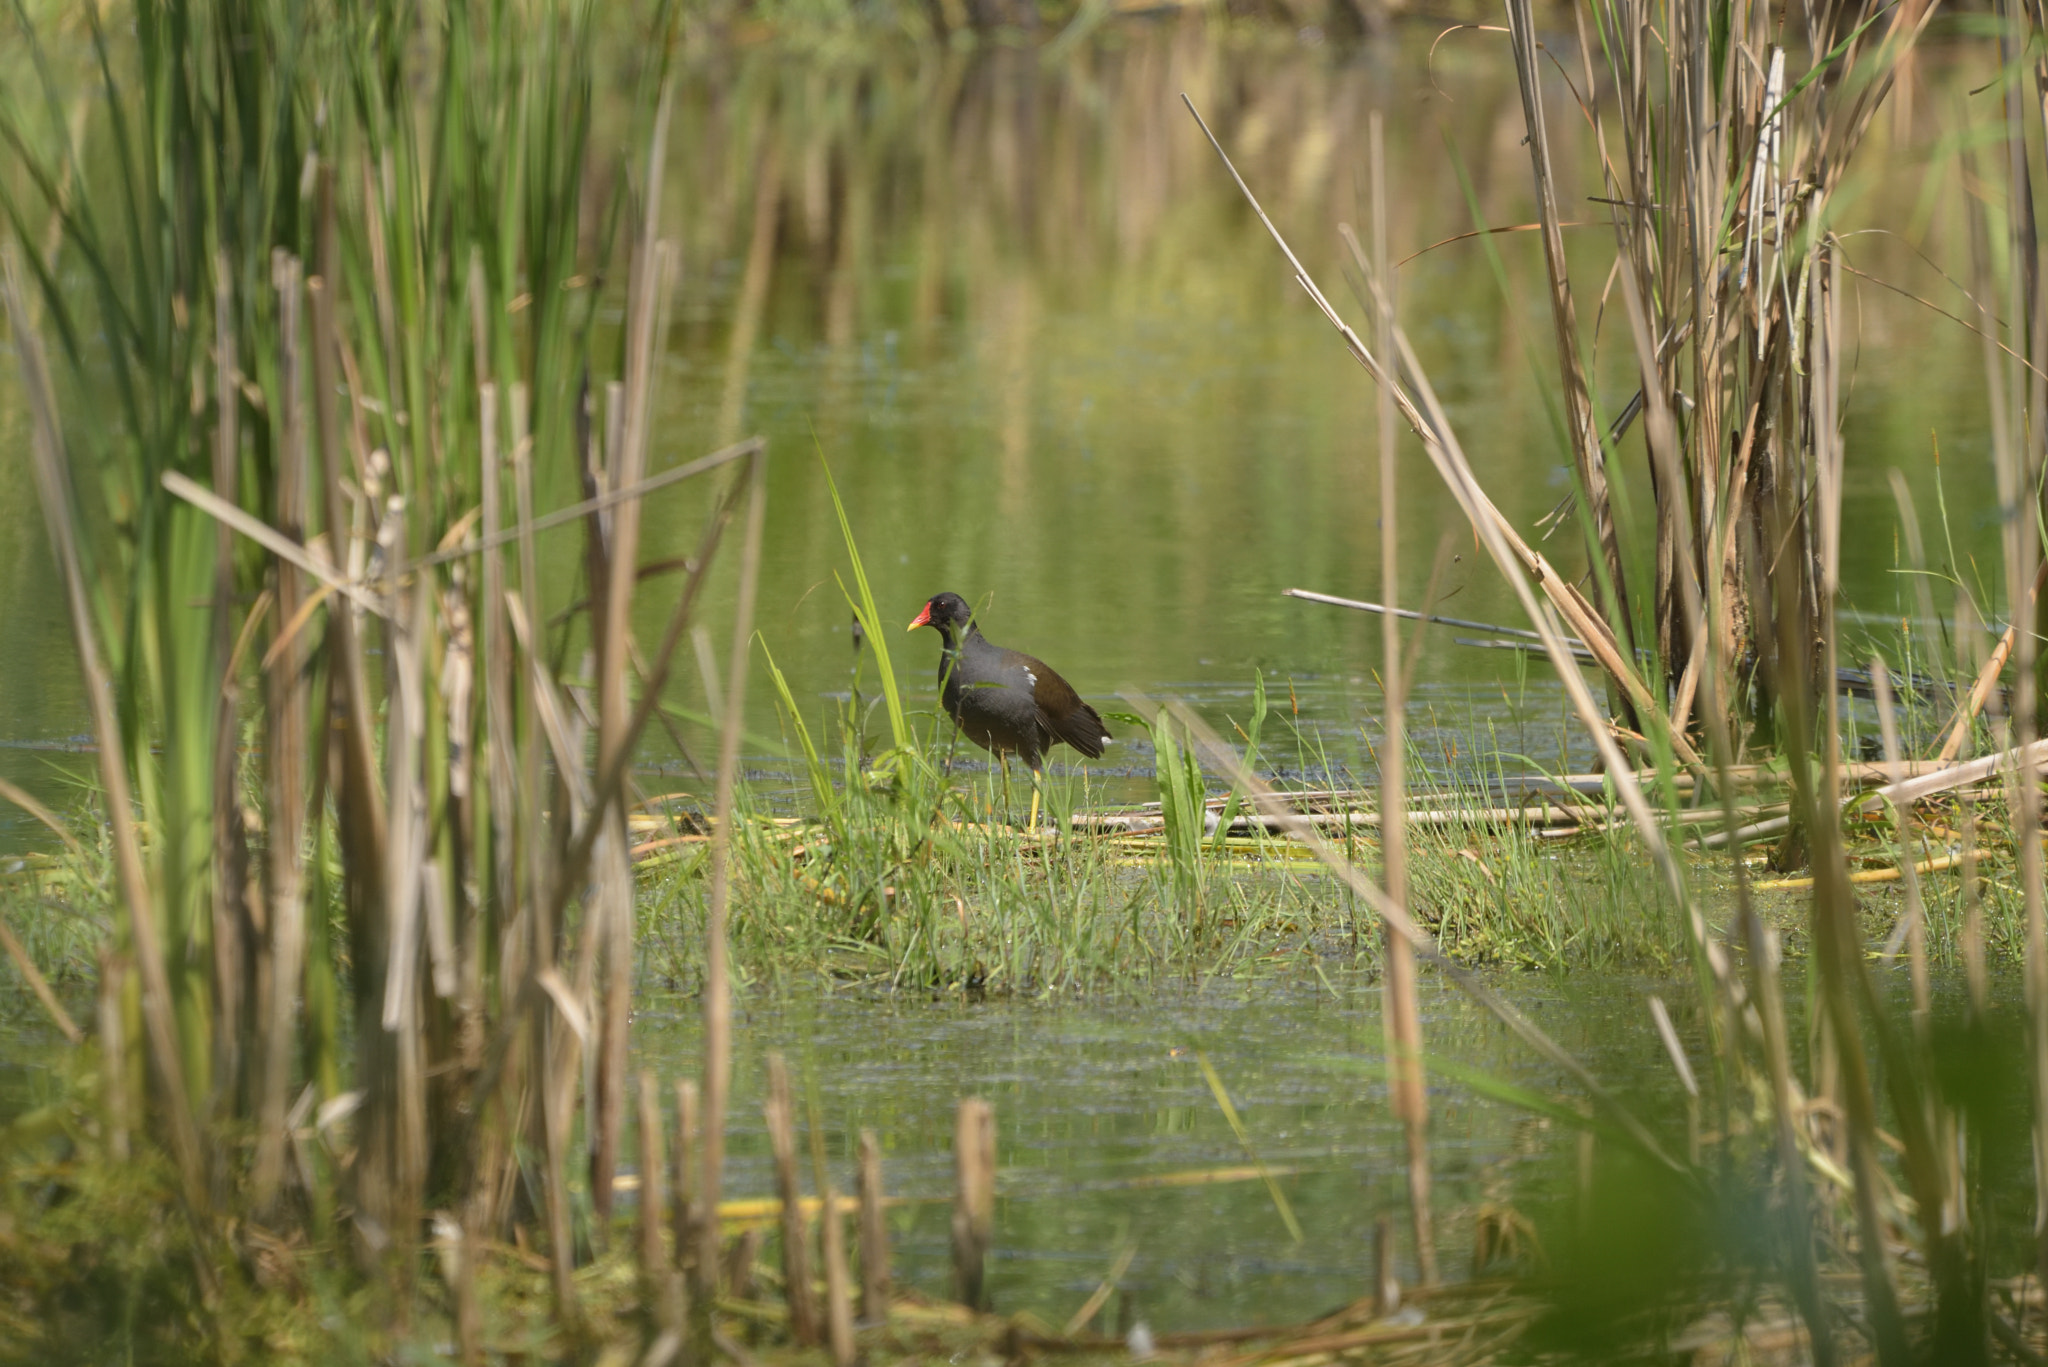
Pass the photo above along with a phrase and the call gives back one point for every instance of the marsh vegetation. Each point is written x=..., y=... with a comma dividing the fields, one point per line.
x=472, y=726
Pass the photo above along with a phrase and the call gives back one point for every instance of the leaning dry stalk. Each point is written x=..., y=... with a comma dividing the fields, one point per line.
x=53, y=485
x=40, y=986
x=1514, y=556
x=1276, y=806
x=1965, y=719
x=1403, y=1014
x=1419, y=404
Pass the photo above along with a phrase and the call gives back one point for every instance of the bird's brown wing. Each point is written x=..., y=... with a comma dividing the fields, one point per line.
x=1062, y=713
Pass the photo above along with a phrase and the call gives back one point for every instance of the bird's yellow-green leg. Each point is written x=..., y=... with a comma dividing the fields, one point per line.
x=1037, y=779
x=1003, y=763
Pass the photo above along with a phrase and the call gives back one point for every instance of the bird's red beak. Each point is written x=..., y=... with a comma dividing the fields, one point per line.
x=923, y=618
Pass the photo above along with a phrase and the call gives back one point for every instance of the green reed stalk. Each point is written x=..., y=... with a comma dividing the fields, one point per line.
x=412, y=256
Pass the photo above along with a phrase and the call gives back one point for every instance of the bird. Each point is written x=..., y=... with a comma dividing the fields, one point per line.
x=1007, y=702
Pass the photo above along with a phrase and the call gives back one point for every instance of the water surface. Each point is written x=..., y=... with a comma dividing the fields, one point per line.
x=1058, y=367
x=1094, y=1100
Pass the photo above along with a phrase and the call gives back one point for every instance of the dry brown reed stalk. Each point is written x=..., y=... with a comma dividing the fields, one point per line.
x=683, y=1213
x=739, y=1264
x=53, y=486
x=1964, y=723
x=1838, y=942
x=717, y=987
x=1710, y=623
x=286, y=743
x=1386, y=1287
x=779, y=1113
x=117, y=1082
x=753, y=295
x=974, y=1199
x=1403, y=1013
x=874, y=1233
x=1401, y=377
x=831, y=1237
x=659, y=1288
x=648, y=292
x=1589, y=462
x=1705, y=166
x=231, y=942
x=2018, y=399
x=26, y=800
x=832, y=1248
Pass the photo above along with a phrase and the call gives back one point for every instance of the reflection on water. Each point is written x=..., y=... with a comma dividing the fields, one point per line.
x=1059, y=368
x=1093, y=1098
x=1088, y=1098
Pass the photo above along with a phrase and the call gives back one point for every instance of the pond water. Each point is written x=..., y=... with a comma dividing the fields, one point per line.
x=1095, y=1104
x=1057, y=365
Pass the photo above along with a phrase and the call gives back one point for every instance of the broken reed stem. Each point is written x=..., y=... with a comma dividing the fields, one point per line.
x=831, y=1238
x=838, y=1279
x=657, y=1269
x=683, y=1213
x=974, y=1199
x=1967, y=711
x=740, y=1261
x=115, y=1083
x=1386, y=1287
x=777, y=1111
x=874, y=1234
x=1403, y=1012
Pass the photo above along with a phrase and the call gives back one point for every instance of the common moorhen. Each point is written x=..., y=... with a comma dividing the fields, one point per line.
x=1007, y=702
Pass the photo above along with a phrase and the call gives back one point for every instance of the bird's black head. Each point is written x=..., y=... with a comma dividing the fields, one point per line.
x=946, y=611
